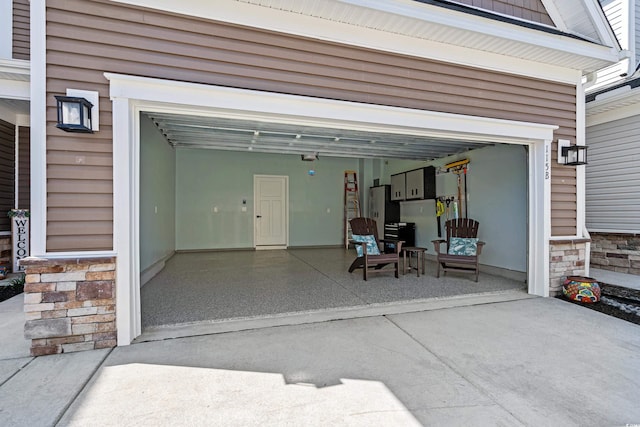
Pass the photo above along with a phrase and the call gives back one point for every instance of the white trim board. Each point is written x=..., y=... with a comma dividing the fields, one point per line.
x=208, y=100
x=132, y=95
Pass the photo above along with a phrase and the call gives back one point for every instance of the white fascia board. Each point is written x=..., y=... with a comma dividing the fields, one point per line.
x=338, y=32
x=554, y=14
x=243, y=103
x=15, y=89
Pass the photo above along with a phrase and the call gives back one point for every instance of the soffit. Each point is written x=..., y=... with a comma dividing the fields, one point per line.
x=193, y=131
x=621, y=97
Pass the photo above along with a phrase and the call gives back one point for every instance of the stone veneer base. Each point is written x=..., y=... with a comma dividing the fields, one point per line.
x=616, y=252
x=5, y=250
x=69, y=304
x=566, y=258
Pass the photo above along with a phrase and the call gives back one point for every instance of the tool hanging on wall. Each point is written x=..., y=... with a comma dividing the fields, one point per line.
x=459, y=167
x=351, y=203
x=447, y=203
x=439, y=212
x=466, y=195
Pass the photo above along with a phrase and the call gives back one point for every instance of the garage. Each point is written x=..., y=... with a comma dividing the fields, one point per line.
x=474, y=81
x=194, y=187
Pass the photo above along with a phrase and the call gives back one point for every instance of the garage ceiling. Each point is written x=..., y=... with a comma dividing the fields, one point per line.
x=269, y=137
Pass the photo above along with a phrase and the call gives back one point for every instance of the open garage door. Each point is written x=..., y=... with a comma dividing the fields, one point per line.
x=250, y=115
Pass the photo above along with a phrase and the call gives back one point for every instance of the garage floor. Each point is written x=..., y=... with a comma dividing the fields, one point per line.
x=206, y=286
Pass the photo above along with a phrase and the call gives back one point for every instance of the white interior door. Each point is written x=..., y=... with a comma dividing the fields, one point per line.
x=271, y=211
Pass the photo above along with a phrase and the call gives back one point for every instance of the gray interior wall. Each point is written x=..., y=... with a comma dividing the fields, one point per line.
x=157, y=195
x=209, y=180
x=497, y=188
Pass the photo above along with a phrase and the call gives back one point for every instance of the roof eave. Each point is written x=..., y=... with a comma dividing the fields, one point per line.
x=400, y=18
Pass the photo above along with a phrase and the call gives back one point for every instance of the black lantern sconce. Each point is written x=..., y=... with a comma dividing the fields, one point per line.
x=74, y=114
x=571, y=155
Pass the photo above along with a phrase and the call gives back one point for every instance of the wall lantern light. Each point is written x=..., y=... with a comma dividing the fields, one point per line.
x=309, y=157
x=571, y=155
x=74, y=114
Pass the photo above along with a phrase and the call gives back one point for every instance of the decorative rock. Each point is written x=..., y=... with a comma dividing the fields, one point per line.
x=582, y=289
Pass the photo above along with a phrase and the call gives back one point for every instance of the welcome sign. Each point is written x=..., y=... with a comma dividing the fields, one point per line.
x=20, y=229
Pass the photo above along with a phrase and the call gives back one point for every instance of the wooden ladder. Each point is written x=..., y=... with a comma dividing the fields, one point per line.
x=351, y=203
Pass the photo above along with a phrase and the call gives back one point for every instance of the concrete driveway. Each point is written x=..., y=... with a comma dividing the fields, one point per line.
x=537, y=362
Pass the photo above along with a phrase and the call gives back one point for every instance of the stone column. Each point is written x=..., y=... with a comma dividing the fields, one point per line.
x=69, y=304
x=566, y=258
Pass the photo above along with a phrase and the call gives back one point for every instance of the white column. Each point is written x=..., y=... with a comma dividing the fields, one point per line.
x=581, y=202
x=539, y=217
x=16, y=166
x=125, y=220
x=38, y=124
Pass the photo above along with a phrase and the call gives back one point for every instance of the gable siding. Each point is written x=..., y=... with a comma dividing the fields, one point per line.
x=7, y=171
x=530, y=10
x=21, y=29
x=24, y=168
x=612, y=180
x=616, y=14
x=128, y=40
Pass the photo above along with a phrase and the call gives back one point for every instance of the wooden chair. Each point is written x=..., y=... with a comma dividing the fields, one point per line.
x=366, y=227
x=465, y=228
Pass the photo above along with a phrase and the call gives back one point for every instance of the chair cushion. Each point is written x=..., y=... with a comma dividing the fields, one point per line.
x=370, y=240
x=463, y=246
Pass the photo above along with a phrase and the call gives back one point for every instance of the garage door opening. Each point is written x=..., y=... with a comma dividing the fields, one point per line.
x=139, y=103
x=201, y=201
